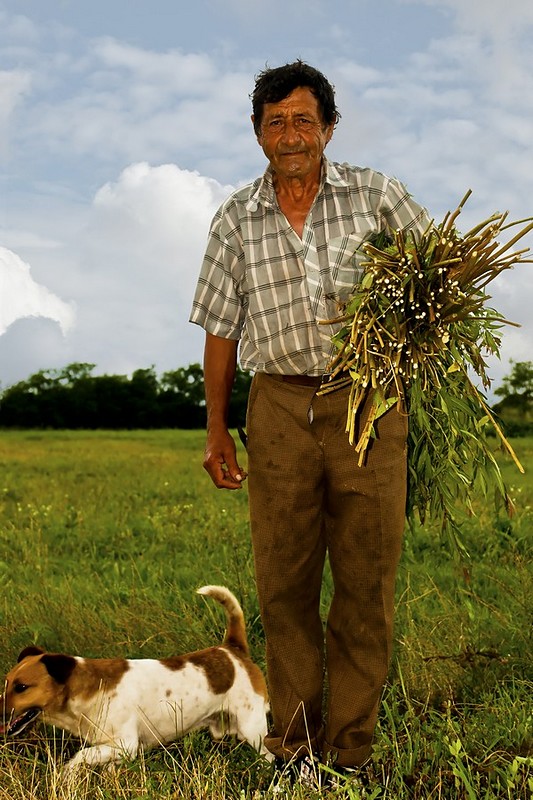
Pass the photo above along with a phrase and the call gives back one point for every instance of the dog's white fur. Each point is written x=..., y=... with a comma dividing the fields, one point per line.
x=119, y=706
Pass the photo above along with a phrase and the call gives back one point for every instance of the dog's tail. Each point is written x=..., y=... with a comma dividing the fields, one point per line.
x=235, y=627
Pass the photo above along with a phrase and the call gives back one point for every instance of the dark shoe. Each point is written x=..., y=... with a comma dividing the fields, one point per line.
x=303, y=771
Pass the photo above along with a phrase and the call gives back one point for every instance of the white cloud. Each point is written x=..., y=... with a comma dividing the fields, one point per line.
x=13, y=85
x=19, y=29
x=174, y=71
x=129, y=104
x=498, y=19
x=15, y=239
x=157, y=214
x=21, y=296
x=501, y=31
x=131, y=269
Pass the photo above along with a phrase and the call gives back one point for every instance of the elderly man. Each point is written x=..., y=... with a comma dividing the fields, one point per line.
x=283, y=255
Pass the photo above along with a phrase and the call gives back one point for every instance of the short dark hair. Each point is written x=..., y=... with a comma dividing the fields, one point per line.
x=275, y=84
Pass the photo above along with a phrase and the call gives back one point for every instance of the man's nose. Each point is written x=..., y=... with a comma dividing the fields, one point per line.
x=291, y=132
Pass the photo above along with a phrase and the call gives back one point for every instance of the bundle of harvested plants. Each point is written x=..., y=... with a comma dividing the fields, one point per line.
x=416, y=332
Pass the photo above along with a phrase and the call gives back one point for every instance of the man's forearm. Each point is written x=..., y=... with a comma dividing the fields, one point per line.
x=220, y=364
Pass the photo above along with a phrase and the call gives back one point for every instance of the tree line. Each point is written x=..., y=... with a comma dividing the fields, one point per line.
x=73, y=397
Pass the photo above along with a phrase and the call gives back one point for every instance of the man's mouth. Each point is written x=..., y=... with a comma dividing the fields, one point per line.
x=14, y=726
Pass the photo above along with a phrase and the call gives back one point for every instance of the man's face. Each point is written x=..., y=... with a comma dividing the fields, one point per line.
x=293, y=135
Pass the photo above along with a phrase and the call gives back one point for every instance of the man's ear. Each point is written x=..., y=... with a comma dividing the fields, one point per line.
x=257, y=134
x=329, y=131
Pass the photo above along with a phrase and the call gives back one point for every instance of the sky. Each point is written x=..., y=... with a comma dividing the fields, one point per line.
x=124, y=124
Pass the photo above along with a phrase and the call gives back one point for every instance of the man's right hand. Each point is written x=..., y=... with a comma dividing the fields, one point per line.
x=220, y=461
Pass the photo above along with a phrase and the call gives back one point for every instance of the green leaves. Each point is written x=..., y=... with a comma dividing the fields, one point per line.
x=450, y=453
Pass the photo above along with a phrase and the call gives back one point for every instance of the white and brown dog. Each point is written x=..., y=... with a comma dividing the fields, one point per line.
x=119, y=706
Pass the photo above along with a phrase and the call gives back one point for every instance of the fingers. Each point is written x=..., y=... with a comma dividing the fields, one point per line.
x=224, y=479
x=220, y=462
x=222, y=476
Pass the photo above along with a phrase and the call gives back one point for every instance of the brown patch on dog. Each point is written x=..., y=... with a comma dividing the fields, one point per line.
x=257, y=679
x=218, y=667
x=97, y=674
x=215, y=663
x=174, y=663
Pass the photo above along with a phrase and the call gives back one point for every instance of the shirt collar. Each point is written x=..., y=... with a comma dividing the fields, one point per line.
x=332, y=174
x=262, y=192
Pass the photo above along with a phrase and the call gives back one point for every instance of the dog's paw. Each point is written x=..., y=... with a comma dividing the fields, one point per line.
x=70, y=782
x=73, y=766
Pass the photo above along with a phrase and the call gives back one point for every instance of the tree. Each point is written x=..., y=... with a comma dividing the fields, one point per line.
x=181, y=398
x=516, y=406
x=519, y=383
x=186, y=383
x=74, y=398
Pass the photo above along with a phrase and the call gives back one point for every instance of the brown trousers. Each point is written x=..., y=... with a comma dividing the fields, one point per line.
x=308, y=497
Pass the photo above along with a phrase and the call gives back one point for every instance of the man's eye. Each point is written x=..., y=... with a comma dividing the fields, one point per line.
x=18, y=688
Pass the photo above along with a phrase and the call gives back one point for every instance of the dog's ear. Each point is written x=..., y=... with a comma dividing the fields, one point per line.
x=59, y=666
x=32, y=650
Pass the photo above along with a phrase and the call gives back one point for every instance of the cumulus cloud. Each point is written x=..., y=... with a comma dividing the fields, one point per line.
x=151, y=224
x=132, y=267
x=21, y=296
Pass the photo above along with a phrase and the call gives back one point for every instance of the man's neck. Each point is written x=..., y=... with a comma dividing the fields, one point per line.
x=296, y=191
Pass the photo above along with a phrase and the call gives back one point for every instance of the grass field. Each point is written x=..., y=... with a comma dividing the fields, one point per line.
x=104, y=538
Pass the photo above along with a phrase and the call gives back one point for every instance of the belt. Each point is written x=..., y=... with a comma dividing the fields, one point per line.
x=298, y=380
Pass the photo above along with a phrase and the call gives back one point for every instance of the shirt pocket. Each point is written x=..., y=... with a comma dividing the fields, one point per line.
x=345, y=259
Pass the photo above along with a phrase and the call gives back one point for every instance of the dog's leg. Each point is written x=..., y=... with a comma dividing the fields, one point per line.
x=252, y=728
x=101, y=754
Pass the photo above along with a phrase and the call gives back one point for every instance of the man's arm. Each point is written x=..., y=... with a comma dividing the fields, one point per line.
x=220, y=459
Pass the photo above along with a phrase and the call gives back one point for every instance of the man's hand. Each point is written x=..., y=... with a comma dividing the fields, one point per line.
x=220, y=457
x=220, y=461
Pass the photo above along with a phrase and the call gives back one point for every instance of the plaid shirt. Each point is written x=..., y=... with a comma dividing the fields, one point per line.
x=262, y=284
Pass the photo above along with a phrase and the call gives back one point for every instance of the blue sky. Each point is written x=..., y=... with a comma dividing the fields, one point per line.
x=123, y=124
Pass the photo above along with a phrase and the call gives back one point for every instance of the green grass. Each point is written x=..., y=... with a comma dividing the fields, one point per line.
x=104, y=538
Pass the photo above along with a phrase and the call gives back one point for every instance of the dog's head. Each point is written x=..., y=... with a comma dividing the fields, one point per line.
x=36, y=685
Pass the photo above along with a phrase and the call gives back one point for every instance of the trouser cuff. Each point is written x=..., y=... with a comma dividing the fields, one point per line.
x=346, y=758
x=284, y=750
